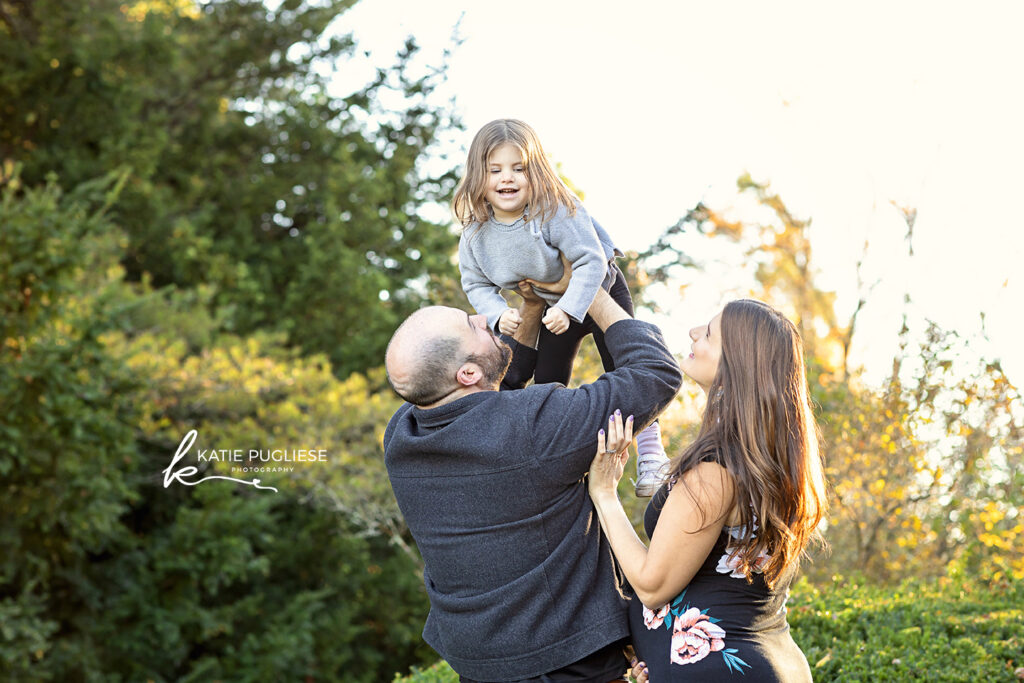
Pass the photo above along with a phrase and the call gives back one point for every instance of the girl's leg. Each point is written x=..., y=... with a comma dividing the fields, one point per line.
x=556, y=353
x=651, y=460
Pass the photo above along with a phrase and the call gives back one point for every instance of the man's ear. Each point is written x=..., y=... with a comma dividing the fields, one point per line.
x=469, y=374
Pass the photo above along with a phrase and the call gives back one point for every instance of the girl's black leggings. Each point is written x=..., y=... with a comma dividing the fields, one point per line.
x=556, y=352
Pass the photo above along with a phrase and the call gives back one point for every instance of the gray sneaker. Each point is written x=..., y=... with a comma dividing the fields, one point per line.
x=650, y=473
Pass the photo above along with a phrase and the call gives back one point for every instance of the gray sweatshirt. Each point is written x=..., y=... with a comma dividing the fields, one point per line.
x=495, y=256
x=520, y=577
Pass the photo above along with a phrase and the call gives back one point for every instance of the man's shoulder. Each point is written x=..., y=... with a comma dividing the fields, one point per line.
x=524, y=404
x=390, y=429
x=631, y=327
x=486, y=400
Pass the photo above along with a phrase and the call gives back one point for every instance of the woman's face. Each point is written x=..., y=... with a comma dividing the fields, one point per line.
x=705, y=352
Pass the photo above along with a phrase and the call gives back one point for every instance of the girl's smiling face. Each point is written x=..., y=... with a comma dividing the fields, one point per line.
x=508, y=190
x=701, y=364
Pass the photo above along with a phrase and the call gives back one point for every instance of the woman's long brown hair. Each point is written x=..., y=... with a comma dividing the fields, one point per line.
x=759, y=426
x=547, y=191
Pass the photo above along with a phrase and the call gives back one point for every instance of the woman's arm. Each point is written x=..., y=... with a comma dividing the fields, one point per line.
x=690, y=522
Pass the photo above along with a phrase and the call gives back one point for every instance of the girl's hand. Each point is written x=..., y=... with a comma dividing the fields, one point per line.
x=610, y=460
x=509, y=321
x=556, y=320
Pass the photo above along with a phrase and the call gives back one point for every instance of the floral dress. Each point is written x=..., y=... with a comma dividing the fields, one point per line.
x=719, y=628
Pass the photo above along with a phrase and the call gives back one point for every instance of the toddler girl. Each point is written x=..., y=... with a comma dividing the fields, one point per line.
x=517, y=216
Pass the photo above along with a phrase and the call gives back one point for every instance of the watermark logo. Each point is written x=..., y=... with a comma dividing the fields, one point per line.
x=254, y=460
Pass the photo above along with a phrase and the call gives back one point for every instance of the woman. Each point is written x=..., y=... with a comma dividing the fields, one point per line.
x=737, y=512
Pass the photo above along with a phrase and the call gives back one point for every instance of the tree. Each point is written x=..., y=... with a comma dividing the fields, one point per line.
x=262, y=241
x=299, y=209
x=925, y=470
x=66, y=456
x=106, y=569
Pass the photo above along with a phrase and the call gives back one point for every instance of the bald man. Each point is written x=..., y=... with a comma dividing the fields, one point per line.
x=522, y=585
x=437, y=344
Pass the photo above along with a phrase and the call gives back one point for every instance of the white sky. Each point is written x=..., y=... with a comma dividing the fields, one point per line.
x=654, y=106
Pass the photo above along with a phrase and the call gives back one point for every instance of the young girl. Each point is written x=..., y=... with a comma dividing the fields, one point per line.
x=517, y=216
x=741, y=505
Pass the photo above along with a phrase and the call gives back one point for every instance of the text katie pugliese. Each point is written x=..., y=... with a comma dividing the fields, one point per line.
x=239, y=455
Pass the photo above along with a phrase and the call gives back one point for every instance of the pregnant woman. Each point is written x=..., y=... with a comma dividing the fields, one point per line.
x=739, y=508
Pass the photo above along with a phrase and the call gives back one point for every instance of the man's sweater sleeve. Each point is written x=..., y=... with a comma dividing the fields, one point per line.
x=645, y=379
x=484, y=295
x=576, y=237
x=524, y=361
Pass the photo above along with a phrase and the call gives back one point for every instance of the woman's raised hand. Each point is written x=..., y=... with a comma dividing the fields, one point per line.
x=612, y=454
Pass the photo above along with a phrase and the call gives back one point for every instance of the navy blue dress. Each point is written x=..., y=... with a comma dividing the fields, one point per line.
x=720, y=628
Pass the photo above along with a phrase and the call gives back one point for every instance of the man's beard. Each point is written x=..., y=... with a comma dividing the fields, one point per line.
x=495, y=364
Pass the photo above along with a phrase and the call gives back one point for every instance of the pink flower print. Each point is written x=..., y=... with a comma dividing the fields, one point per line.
x=652, y=619
x=729, y=564
x=694, y=637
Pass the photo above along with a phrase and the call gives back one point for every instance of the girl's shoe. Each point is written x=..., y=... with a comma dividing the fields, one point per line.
x=651, y=461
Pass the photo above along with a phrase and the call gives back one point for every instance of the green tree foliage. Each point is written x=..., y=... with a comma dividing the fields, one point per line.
x=66, y=454
x=299, y=209
x=107, y=570
x=228, y=280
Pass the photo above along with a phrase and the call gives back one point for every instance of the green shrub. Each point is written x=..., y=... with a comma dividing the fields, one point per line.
x=934, y=631
x=106, y=573
x=438, y=673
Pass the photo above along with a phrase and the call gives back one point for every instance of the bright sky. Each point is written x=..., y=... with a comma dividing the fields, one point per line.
x=654, y=106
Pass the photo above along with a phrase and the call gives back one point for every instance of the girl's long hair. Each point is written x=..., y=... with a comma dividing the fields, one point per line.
x=547, y=191
x=759, y=426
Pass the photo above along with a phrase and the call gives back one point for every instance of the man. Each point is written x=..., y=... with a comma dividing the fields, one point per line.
x=521, y=582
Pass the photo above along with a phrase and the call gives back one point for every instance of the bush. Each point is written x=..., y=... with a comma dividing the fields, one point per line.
x=936, y=631
x=106, y=573
x=438, y=673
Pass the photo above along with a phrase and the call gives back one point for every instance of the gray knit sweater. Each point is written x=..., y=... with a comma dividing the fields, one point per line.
x=495, y=256
x=520, y=577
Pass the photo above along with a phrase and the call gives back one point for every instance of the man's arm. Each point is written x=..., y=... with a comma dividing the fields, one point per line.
x=524, y=341
x=534, y=305
x=645, y=379
x=524, y=358
x=530, y=313
x=605, y=311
